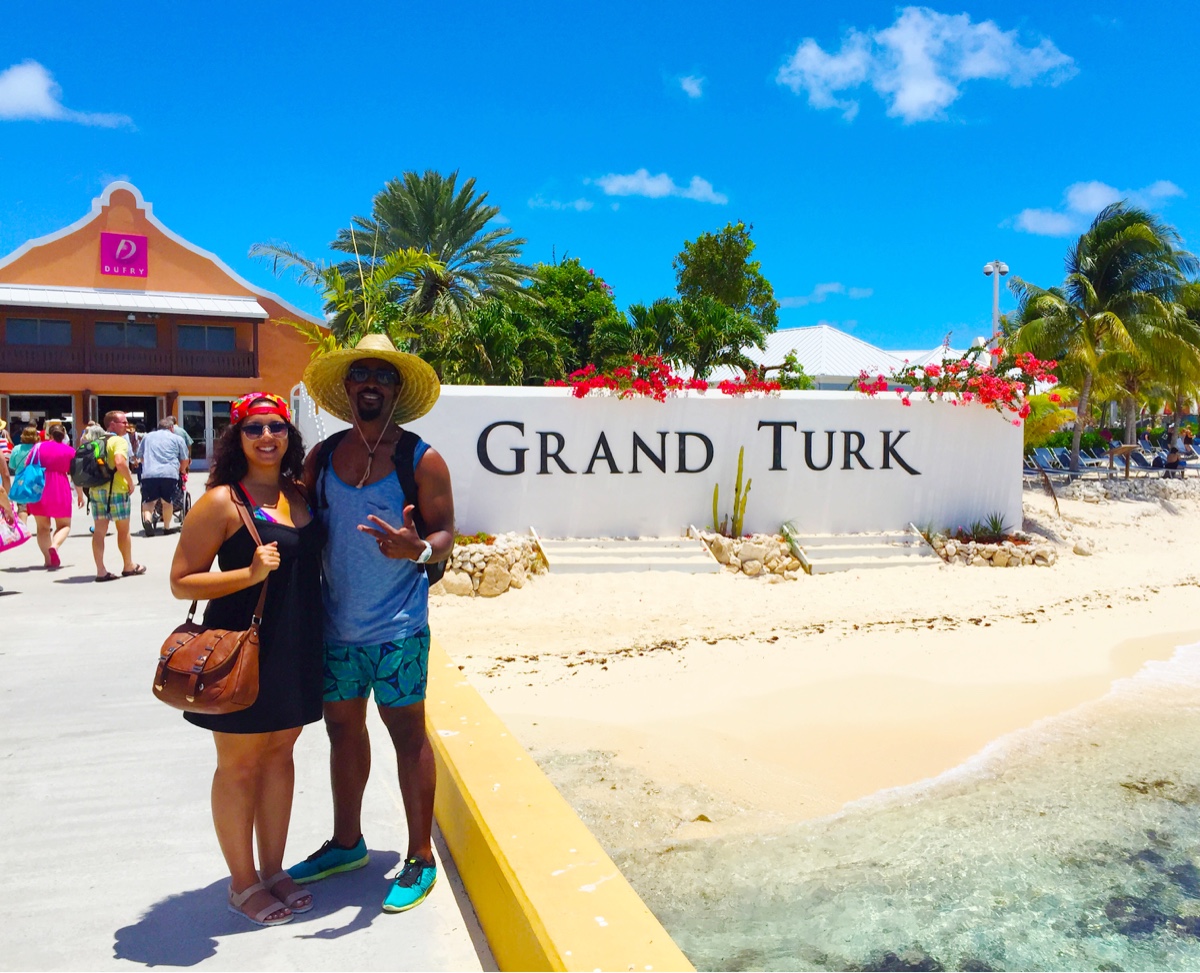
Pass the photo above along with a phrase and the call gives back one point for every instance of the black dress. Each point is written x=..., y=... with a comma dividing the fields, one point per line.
x=291, y=650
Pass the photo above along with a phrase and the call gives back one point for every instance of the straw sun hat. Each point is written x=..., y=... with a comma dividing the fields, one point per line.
x=325, y=378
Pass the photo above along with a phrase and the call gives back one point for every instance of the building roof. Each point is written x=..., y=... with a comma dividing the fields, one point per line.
x=103, y=299
x=824, y=350
x=68, y=257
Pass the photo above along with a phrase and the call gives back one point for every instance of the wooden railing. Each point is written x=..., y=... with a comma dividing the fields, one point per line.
x=125, y=361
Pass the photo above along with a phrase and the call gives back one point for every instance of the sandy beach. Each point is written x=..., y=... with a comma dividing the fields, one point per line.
x=670, y=707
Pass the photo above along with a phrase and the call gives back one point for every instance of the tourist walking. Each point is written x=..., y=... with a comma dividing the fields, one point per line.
x=164, y=462
x=258, y=462
x=16, y=462
x=112, y=502
x=52, y=512
x=376, y=593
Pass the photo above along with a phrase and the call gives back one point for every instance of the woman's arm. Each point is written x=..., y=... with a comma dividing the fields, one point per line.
x=209, y=524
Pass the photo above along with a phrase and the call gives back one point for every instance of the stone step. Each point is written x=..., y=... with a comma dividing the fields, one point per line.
x=833, y=565
x=827, y=553
x=590, y=556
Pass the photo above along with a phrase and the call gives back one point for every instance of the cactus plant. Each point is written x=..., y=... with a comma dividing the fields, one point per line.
x=732, y=526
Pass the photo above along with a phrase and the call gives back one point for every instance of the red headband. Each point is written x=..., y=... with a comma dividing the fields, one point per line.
x=269, y=405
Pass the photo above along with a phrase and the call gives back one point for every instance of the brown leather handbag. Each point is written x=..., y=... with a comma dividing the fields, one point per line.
x=212, y=670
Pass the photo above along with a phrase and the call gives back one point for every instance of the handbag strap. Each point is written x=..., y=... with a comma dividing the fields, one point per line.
x=241, y=501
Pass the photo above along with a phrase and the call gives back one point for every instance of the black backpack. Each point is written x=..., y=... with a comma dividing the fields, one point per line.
x=89, y=466
x=403, y=457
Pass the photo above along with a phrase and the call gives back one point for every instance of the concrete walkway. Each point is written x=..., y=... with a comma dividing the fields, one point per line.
x=110, y=861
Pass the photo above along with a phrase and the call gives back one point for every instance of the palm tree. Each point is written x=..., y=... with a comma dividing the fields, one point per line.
x=431, y=213
x=358, y=306
x=1123, y=274
x=656, y=329
x=718, y=335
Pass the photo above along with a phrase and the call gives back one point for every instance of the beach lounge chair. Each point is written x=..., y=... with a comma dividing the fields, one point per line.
x=1144, y=466
x=1063, y=455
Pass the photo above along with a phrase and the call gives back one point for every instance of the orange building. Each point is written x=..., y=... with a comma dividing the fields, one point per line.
x=118, y=312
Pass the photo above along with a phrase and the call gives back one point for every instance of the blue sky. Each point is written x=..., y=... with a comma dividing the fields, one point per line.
x=883, y=153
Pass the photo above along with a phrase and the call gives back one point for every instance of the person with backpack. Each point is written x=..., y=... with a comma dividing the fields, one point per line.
x=384, y=498
x=102, y=466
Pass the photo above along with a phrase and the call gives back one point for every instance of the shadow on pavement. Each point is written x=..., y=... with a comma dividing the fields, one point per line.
x=183, y=929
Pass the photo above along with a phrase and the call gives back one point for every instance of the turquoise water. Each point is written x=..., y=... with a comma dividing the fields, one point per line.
x=1072, y=845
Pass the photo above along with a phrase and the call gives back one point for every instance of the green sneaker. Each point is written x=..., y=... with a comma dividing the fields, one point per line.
x=412, y=885
x=330, y=859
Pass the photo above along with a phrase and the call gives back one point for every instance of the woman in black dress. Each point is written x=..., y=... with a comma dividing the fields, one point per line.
x=258, y=461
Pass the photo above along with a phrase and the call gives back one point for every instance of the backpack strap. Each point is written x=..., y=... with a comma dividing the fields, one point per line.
x=324, y=458
x=404, y=459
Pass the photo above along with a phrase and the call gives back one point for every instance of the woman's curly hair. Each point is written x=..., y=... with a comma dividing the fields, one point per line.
x=229, y=463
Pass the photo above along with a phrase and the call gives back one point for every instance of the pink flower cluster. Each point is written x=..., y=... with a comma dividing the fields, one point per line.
x=652, y=378
x=1004, y=386
x=748, y=384
x=647, y=376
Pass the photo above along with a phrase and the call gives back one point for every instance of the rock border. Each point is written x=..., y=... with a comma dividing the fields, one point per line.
x=488, y=570
x=757, y=556
x=1023, y=551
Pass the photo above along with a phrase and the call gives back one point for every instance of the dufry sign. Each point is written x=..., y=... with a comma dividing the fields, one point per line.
x=123, y=255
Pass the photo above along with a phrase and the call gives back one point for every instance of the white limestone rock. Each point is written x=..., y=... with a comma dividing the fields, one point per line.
x=457, y=583
x=495, y=581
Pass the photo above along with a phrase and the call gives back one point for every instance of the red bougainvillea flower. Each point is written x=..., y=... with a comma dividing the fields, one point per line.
x=1055, y=397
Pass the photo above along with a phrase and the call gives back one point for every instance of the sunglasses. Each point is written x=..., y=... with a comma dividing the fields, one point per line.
x=361, y=373
x=254, y=430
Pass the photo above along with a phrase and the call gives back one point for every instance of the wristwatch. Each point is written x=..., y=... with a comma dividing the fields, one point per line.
x=426, y=554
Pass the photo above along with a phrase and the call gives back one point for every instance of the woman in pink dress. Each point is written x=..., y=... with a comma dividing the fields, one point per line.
x=54, y=456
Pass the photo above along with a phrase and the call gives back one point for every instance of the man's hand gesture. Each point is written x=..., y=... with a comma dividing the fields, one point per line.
x=400, y=543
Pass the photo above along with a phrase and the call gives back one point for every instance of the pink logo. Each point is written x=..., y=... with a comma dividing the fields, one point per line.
x=123, y=255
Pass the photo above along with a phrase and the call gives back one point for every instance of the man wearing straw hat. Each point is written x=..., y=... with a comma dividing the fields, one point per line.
x=376, y=592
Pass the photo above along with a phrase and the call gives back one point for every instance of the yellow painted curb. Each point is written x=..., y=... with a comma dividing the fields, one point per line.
x=547, y=895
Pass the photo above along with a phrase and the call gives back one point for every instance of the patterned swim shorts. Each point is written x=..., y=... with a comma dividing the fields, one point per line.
x=396, y=671
x=106, y=507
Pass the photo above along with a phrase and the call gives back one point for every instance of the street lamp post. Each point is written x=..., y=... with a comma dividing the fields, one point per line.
x=995, y=269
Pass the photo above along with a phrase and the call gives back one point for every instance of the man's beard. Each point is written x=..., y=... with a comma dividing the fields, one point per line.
x=369, y=413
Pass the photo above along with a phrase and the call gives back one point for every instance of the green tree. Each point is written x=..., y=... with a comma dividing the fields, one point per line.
x=719, y=334
x=571, y=301
x=1118, y=297
x=432, y=213
x=655, y=329
x=718, y=265
x=499, y=342
x=790, y=375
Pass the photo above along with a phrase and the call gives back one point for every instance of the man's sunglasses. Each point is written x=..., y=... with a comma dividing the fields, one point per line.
x=254, y=430
x=361, y=373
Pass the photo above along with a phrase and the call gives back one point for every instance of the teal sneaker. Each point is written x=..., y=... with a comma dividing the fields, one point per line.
x=330, y=859
x=412, y=885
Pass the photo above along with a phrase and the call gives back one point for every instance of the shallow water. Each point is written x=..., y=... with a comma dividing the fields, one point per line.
x=1068, y=846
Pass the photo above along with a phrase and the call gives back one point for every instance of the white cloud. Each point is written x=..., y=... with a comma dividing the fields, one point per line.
x=692, y=86
x=1083, y=200
x=641, y=183
x=822, y=291
x=28, y=92
x=580, y=205
x=918, y=64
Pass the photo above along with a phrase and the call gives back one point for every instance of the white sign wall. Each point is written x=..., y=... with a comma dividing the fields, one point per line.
x=833, y=462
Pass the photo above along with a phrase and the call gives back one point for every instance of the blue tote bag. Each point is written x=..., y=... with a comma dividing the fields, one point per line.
x=28, y=484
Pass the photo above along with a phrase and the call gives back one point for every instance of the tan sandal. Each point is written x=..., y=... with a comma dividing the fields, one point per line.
x=293, y=900
x=239, y=899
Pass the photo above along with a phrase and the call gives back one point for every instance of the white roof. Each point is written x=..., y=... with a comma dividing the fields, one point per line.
x=824, y=350
x=101, y=299
x=939, y=354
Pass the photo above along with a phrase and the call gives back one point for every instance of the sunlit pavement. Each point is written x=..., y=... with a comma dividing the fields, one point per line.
x=110, y=861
